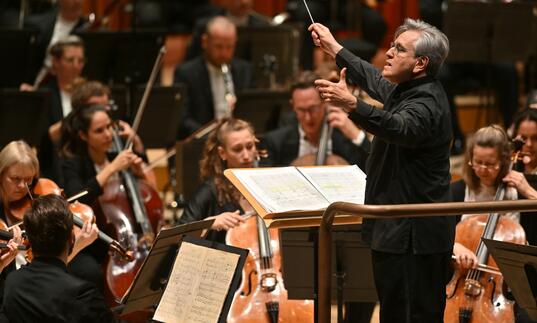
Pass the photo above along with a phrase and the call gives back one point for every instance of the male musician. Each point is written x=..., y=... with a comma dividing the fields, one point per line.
x=207, y=84
x=44, y=291
x=68, y=60
x=52, y=26
x=408, y=163
x=240, y=12
x=284, y=145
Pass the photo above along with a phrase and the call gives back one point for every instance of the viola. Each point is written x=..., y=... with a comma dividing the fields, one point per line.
x=476, y=295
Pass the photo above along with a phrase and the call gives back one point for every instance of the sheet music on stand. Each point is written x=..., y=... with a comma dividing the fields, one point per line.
x=202, y=277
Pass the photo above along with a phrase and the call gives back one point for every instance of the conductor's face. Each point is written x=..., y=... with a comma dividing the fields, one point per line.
x=309, y=110
x=219, y=45
x=401, y=62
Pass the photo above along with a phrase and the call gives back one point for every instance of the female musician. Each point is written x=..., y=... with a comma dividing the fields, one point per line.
x=231, y=145
x=86, y=140
x=19, y=169
x=487, y=160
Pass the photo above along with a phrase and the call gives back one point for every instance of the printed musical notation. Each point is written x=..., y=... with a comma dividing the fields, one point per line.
x=286, y=189
x=198, y=285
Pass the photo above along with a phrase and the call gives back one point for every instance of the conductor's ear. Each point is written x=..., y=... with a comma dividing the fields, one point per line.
x=421, y=64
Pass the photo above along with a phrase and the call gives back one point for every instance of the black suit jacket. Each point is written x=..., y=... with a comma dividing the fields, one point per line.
x=44, y=25
x=199, y=107
x=44, y=291
x=195, y=50
x=283, y=146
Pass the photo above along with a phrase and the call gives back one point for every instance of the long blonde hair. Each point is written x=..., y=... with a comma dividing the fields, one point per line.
x=212, y=166
x=17, y=152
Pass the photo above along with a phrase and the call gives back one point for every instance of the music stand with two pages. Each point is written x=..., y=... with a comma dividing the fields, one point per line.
x=518, y=264
x=200, y=271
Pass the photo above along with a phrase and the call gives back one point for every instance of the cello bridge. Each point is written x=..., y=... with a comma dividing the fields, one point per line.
x=472, y=288
x=268, y=282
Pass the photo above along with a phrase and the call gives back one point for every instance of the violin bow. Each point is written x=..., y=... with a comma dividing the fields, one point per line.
x=143, y=102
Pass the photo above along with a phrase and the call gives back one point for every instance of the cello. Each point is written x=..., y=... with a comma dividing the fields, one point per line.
x=476, y=295
x=132, y=212
x=262, y=296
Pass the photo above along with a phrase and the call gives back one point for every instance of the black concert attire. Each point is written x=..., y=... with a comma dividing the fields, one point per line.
x=195, y=50
x=44, y=25
x=199, y=106
x=43, y=291
x=9, y=268
x=283, y=147
x=204, y=204
x=49, y=163
x=80, y=175
x=408, y=163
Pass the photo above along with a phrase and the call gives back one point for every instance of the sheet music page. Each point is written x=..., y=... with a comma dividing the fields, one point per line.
x=198, y=285
x=338, y=184
x=281, y=189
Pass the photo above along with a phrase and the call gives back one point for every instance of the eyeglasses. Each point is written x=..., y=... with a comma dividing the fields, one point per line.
x=489, y=167
x=398, y=48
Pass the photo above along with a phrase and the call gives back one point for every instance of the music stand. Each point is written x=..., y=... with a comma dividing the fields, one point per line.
x=148, y=285
x=121, y=57
x=23, y=115
x=188, y=155
x=160, y=121
x=352, y=256
x=16, y=59
x=271, y=50
x=263, y=108
x=518, y=264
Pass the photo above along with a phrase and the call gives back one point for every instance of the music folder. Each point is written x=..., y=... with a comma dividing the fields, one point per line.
x=518, y=265
x=149, y=283
x=167, y=263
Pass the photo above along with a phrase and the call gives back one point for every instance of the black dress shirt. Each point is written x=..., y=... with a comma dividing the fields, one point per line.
x=409, y=158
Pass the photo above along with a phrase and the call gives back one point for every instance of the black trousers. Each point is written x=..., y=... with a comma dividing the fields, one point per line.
x=411, y=288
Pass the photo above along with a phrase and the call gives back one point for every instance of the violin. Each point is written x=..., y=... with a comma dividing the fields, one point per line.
x=81, y=213
x=476, y=295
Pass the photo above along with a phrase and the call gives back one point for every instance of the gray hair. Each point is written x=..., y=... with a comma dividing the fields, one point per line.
x=432, y=43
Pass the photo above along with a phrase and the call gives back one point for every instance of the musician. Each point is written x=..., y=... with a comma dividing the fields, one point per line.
x=67, y=63
x=486, y=164
x=86, y=140
x=51, y=26
x=284, y=145
x=408, y=163
x=19, y=168
x=231, y=145
x=205, y=81
x=240, y=12
x=44, y=290
x=93, y=92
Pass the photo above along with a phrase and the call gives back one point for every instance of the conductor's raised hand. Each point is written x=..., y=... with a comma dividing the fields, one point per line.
x=337, y=93
x=323, y=38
